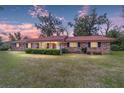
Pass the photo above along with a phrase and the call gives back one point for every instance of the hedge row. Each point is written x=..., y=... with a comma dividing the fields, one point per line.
x=115, y=47
x=4, y=47
x=43, y=51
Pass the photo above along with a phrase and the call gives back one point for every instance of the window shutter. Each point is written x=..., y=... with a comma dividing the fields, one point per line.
x=31, y=45
x=68, y=44
x=26, y=45
x=37, y=45
x=89, y=44
x=48, y=45
x=99, y=44
x=78, y=44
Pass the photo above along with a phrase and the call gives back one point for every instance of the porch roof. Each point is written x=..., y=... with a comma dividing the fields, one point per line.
x=89, y=38
x=52, y=38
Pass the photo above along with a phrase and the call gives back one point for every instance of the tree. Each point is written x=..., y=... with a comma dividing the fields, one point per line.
x=115, y=32
x=1, y=8
x=3, y=46
x=25, y=37
x=11, y=37
x=108, y=26
x=89, y=24
x=70, y=24
x=18, y=36
x=123, y=13
x=15, y=36
x=48, y=23
x=1, y=41
x=118, y=35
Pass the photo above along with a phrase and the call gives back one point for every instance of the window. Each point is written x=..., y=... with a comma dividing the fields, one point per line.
x=94, y=44
x=79, y=44
x=17, y=44
x=73, y=44
x=44, y=45
x=40, y=45
x=35, y=45
x=29, y=45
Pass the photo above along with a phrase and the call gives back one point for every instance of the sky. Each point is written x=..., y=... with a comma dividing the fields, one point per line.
x=18, y=18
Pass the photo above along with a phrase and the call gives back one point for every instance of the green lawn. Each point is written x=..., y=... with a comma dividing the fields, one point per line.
x=18, y=69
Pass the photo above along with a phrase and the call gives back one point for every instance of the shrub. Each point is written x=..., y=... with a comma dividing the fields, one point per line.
x=64, y=50
x=4, y=47
x=115, y=47
x=122, y=46
x=52, y=52
x=29, y=51
x=43, y=51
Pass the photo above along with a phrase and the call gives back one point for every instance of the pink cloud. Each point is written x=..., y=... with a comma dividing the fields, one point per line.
x=25, y=29
x=4, y=37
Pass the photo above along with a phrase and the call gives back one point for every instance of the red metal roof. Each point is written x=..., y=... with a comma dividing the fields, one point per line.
x=70, y=39
x=89, y=38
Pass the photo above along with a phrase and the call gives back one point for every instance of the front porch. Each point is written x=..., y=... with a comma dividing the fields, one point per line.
x=47, y=45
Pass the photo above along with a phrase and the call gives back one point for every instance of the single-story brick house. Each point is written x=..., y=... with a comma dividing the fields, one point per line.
x=90, y=44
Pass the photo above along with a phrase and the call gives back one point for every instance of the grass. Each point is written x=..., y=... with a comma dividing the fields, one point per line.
x=18, y=69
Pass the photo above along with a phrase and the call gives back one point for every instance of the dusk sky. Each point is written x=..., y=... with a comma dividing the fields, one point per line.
x=18, y=18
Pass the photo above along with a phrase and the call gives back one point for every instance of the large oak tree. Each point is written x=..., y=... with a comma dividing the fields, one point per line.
x=90, y=24
x=49, y=24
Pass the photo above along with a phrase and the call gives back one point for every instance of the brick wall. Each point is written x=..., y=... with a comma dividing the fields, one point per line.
x=105, y=48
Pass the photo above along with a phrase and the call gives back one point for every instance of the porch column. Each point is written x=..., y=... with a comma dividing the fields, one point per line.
x=40, y=45
x=57, y=45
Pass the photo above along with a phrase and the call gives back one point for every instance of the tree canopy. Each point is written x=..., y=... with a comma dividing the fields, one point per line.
x=49, y=24
x=118, y=34
x=1, y=41
x=15, y=36
x=89, y=24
